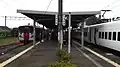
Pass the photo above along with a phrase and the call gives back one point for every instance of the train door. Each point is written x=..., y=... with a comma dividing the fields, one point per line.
x=92, y=35
x=95, y=35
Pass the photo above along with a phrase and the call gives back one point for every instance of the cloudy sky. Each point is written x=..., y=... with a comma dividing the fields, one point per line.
x=9, y=7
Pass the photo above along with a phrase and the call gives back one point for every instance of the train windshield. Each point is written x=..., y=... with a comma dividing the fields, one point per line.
x=23, y=29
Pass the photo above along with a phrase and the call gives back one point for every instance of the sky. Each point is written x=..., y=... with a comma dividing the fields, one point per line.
x=9, y=7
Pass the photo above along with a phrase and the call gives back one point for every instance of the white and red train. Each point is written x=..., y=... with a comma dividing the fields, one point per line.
x=25, y=33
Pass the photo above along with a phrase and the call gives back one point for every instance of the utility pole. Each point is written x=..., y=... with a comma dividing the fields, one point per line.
x=60, y=13
x=5, y=20
x=5, y=26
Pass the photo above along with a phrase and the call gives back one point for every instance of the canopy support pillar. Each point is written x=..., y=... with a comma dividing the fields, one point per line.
x=69, y=34
x=34, y=26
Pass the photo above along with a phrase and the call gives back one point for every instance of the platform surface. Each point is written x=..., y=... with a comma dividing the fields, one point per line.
x=45, y=53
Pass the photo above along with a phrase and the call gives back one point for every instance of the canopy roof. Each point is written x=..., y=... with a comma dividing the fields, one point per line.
x=48, y=18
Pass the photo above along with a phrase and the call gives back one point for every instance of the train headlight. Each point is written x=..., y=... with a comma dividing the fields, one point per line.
x=31, y=36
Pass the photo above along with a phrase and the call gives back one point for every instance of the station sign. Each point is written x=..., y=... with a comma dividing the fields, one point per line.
x=63, y=18
x=56, y=19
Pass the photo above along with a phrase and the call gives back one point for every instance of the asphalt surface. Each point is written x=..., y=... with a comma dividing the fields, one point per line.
x=40, y=56
x=106, y=52
x=80, y=60
x=45, y=53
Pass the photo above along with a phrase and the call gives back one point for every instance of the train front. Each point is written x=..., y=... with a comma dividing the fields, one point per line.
x=25, y=34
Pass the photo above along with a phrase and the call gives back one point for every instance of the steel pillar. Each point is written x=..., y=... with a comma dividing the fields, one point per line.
x=69, y=33
x=82, y=38
x=60, y=13
x=43, y=35
x=34, y=26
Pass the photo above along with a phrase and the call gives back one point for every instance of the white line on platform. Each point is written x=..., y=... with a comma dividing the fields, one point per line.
x=17, y=56
x=102, y=57
x=95, y=62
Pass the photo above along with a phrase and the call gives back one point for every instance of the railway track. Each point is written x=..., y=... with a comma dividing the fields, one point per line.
x=98, y=56
x=15, y=54
x=9, y=51
x=7, y=48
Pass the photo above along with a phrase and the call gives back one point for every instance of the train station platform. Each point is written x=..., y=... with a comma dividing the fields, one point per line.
x=40, y=56
x=45, y=53
x=80, y=60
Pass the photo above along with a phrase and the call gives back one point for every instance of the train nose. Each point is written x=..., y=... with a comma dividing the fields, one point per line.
x=26, y=36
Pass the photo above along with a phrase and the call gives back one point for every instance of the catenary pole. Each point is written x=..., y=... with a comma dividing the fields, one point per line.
x=60, y=12
x=5, y=20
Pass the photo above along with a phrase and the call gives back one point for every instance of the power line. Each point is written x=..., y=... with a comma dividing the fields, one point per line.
x=115, y=7
x=110, y=4
x=46, y=9
x=115, y=1
x=48, y=5
x=15, y=18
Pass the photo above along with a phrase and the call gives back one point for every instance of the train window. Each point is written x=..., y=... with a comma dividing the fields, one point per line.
x=26, y=29
x=118, y=36
x=105, y=35
x=114, y=35
x=80, y=33
x=85, y=33
x=109, y=37
x=102, y=35
x=99, y=34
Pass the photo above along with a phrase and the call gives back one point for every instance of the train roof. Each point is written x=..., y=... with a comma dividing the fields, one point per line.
x=30, y=26
x=48, y=18
x=25, y=26
x=112, y=22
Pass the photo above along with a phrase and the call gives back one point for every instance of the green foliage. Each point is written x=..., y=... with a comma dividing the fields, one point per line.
x=60, y=52
x=5, y=34
x=62, y=64
x=63, y=55
x=7, y=40
x=64, y=59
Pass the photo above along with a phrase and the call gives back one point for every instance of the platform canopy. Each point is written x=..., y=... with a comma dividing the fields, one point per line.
x=48, y=18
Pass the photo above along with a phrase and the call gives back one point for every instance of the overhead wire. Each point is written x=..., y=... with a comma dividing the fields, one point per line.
x=46, y=9
x=114, y=1
x=15, y=18
x=48, y=5
x=110, y=4
x=115, y=7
